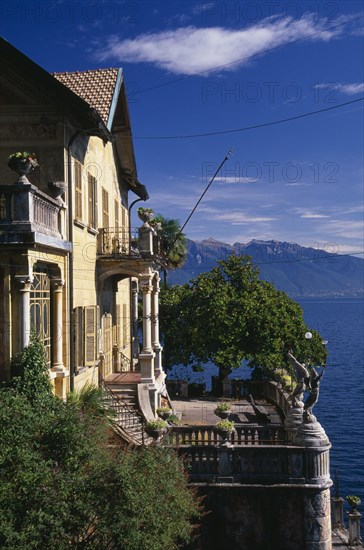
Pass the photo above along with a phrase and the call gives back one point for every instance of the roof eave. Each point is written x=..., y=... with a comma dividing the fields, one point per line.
x=115, y=99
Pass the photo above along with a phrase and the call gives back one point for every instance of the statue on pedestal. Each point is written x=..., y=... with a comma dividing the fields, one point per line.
x=308, y=380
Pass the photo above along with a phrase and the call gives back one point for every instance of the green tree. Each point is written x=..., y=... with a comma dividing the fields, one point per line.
x=173, y=244
x=229, y=314
x=62, y=486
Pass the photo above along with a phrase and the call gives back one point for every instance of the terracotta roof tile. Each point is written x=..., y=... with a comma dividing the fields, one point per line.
x=96, y=87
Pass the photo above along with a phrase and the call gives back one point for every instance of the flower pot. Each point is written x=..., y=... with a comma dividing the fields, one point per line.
x=146, y=216
x=222, y=414
x=156, y=433
x=22, y=166
x=165, y=414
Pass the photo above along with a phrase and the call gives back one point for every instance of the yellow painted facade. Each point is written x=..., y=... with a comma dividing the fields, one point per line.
x=66, y=269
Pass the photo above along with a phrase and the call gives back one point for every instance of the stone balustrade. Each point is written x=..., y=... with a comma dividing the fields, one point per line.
x=24, y=210
x=263, y=464
x=242, y=435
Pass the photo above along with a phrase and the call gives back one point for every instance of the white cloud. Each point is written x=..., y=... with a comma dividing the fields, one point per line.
x=348, y=89
x=313, y=216
x=191, y=50
x=239, y=218
x=234, y=179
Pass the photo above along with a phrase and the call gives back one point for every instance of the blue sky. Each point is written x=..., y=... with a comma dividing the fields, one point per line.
x=205, y=67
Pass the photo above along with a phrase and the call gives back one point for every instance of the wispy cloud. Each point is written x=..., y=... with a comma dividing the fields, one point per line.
x=191, y=50
x=348, y=89
x=234, y=179
x=240, y=217
x=313, y=216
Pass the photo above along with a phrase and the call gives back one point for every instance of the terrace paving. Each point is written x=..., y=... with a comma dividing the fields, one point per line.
x=200, y=412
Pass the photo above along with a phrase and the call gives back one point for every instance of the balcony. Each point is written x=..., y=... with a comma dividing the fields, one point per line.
x=29, y=216
x=116, y=242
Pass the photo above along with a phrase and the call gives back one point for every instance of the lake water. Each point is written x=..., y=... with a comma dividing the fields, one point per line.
x=340, y=408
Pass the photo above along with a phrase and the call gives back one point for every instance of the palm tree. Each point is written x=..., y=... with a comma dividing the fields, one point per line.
x=173, y=244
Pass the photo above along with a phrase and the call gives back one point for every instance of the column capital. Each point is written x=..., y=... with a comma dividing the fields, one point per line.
x=57, y=284
x=24, y=281
x=146, y=286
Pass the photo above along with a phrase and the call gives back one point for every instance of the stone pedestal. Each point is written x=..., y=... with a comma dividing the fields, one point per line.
x=293, y=420
x=310, y=433
x=146, y=360
x=224, y=460
x=317, y=521
x=338, y=511
x=354, y=528
x=146, y=234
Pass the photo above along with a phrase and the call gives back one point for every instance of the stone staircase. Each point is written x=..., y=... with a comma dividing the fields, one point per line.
x=128, y=421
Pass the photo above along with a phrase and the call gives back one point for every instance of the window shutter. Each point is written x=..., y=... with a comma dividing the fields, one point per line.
x=91, y=315
x=92, y=201
x=105, y=208
x=78, y=191
x=78, y=336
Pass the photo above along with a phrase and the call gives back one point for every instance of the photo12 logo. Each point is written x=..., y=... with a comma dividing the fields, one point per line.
x=290, y=173
x=271, y=92
x=252, y=12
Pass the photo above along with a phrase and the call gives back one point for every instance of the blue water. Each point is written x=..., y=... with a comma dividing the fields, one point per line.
x=340, y=408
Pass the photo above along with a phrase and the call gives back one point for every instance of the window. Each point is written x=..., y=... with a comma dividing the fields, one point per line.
x=105, y=208
x=40, y=305
x=78, y=190
x=92, y=202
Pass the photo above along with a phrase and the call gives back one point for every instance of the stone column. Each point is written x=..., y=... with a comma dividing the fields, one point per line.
x=147, y=356
x=57, y=337
x=157, y=348
x=293, y=419
x=317, y=521
x=134, y=318
x=24, y=310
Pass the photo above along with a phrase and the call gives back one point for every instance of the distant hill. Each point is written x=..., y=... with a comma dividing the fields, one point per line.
x=297, y=270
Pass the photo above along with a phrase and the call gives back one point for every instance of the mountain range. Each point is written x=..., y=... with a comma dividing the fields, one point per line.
x=294, y=269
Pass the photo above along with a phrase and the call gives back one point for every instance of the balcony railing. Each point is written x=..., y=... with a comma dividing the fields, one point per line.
x=25, y=209
x=114, y=241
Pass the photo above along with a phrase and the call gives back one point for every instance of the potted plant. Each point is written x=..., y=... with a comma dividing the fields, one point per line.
x=156, y=223
x=22, y=163
x=353, y=500
x=145, y=214
x=156, y=428
x=164, y=412
x=224, y=428
x=222, y=410
x=173, y=420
